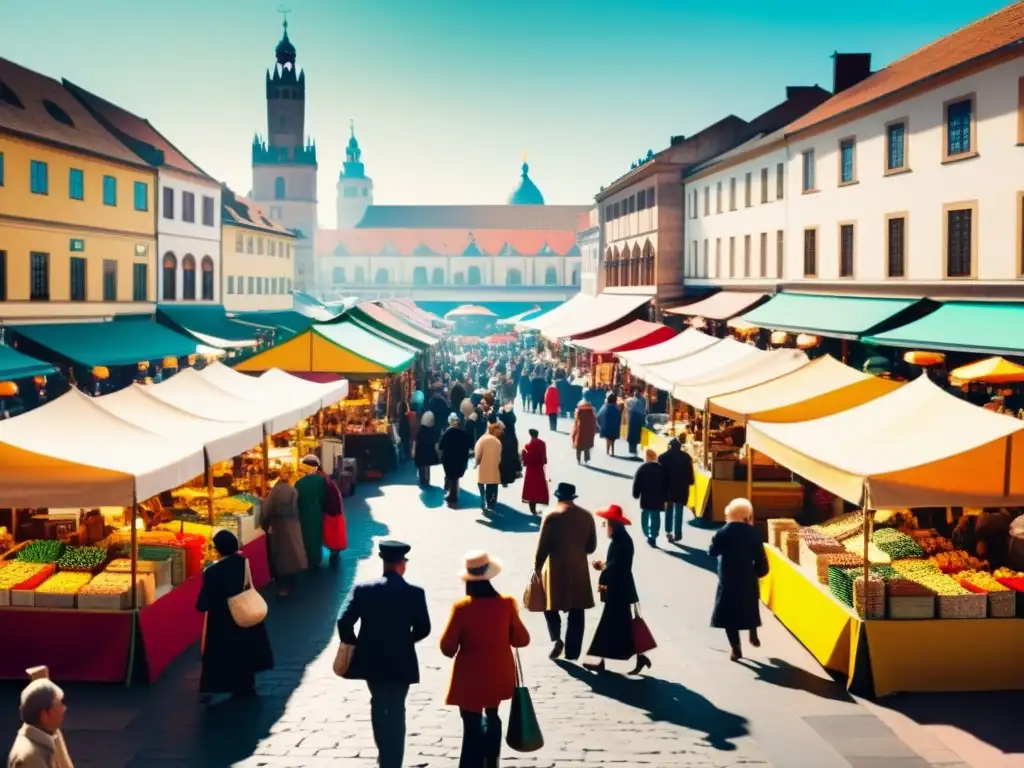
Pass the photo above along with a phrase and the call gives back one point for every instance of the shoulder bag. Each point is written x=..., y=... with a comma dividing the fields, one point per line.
x=523, y=729
x=248, y=608
x=643, y=640
x=535, y=599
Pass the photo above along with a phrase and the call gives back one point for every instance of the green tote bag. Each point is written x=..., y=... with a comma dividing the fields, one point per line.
x=523, y=730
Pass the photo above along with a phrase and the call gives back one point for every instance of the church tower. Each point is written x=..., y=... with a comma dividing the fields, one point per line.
x=355, y=188
x=284, y=168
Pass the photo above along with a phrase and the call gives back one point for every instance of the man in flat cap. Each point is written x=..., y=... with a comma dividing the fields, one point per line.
x=392, y=616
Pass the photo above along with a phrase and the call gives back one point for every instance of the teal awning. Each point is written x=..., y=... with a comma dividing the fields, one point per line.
x=209, y=324
x=976, y=327
x=15, y=365
x=382, y=322
x=841, y=317
x=286, y=321
x=108, y=343
x=384, y=351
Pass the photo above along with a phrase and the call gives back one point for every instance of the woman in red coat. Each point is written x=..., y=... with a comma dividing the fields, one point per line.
x=551, y=405
x=535, y=484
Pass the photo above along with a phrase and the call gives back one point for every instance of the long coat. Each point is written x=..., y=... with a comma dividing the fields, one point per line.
x=568, y=536
x=454, y=447
x=537, y=385
x=231, y=655
x=312, y=501
x=584, y=427
x=425, y=453
x=393, y=617
x=609, y=422
x=509, y=466
x=741, y=562
x=488, y=459
x=649, y=486
x=535, y=484
x=280, y=511
x=613, y=638
x=551, y=400
x=481, y=633
x=679, y=475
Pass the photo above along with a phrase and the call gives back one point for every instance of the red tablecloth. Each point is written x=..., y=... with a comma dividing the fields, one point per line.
x=170, y=625
x=77, y=646
x=256, y=551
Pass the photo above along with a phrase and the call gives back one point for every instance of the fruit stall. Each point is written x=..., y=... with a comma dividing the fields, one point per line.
x=875, y=595
x=102, y=564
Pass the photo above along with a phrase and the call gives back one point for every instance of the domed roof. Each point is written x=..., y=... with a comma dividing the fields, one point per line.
x=526, y=193
x=285, y=51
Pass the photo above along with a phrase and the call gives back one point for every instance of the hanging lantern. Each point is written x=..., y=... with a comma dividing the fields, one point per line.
x=741, y=326
x=779, y=338
x=192, y=359
x=144, y=365
x=40, y=381
x=101, y=372
x=8, y=389
x=877, y=365
x=924, y=358
x=807, y=341
x=171, y=362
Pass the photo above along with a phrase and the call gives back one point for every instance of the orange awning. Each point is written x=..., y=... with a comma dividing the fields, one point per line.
x=633, y=335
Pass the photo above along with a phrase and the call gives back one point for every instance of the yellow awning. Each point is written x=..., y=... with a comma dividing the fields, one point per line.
x=741, y=374
x=820, y=388
x=311, y=353
x=915, y=447
x=993, y=370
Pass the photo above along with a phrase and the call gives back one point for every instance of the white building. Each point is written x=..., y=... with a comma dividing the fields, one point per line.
x=588, y=240
x=188, y=222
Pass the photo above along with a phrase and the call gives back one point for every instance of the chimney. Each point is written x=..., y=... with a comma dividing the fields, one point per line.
x=848, y=69
x=676, y=141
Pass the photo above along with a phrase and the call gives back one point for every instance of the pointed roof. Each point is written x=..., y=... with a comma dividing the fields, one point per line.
x=285, y=50
x=574, y=251
x=423, y=250
x=526, y=193
x=545, y=250
x=339, y=249
x=472, y=249
x=389, y=249
x=508, y=250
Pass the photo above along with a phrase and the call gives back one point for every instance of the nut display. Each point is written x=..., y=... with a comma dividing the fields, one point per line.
x=928, y=575
x=15, y=573
x=41, y=551
x=896, y=545
x=82, y=558
x=64, y=583
x=982, y=580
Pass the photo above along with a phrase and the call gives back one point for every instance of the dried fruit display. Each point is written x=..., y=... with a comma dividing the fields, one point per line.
x=41, y=551
x=1008, y=573
x=17, y=573
x=956, y=561
x=927, y=574
x=897, y=545
x=64, y=583
x=841, y=526
x=934, y=544
x=982, y=580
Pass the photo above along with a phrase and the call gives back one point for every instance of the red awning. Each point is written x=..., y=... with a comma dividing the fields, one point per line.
x=722, y=306
x=633, y=335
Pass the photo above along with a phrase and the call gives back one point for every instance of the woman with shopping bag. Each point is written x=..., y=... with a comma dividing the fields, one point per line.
x=621, y=632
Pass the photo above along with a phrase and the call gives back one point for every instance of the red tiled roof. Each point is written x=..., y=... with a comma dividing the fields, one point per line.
x=138, y=128
x=243, y=212
x=444, y=242
x=985, y=36
x=34, y=120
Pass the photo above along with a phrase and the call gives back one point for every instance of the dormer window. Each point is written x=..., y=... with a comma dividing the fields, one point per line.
x=57, y=113
x=9, y=97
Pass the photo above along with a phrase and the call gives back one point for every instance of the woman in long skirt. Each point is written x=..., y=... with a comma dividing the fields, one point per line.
x=613, y=638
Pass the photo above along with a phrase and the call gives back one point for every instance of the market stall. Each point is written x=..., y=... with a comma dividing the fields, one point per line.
x=899, y=606
x=601, y=349
x=605, y=312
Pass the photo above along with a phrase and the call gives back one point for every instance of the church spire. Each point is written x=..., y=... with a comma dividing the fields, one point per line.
x=353, y=167
x=285, y=51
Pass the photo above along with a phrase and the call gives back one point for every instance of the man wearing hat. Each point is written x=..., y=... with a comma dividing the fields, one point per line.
x=568, y=536
x=393, y=617
x=312, y=489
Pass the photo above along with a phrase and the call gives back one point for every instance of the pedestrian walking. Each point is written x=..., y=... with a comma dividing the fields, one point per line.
x=537, y=386
x=404, y=431
x=609, y=423
x=483, y=628
x=741, y=562
x=535, y=484
x=584, y=430
x=392, y=616
x=454, y=447
x=488, y=466
x=510, y=467
x=279, y=516
x=312, y=490
x=508, y=391
x=613, y=638
x=551, y=405
x=568, y=536
x=455, y=396
x=679, y=478
x=636, y=419
x=649, y=485
x=39, y=743
x=231, y=655
x=425, y=451
x=524, y=390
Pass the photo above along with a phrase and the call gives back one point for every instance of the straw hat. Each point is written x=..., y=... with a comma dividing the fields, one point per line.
x=480, y=566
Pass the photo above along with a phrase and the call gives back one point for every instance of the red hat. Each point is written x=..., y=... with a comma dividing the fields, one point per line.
x=613, y=513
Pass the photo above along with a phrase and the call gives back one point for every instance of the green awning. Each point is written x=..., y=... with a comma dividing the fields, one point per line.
x=367, y=345
x=15, y=365
x=841, y=317
x=286, y=321
x=209, y=324
x=109, y=343
x=379, y=320
x=976, y=327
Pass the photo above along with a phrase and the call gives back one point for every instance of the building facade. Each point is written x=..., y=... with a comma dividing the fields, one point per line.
x=257, y=255
x=188, y=212
x=588, y=240
x=284, y=167
x=77, y=209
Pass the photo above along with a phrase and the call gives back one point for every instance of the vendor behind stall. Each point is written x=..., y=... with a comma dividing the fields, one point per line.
x=985, y=535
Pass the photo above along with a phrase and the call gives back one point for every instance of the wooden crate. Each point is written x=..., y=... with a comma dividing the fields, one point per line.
x=962, y=606
x=912, y=607
x=1002, y=605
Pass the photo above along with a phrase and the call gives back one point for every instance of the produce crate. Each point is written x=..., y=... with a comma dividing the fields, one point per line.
x=54, y=599
x=106, y=602
x=962, y=606
x=912, y=607
x=1002, y=605
x=791, y=539
x=817, y=565
x=778, y=527
x=23, y=598
x=5, y=598
x=873, y=605
x=1017, y=585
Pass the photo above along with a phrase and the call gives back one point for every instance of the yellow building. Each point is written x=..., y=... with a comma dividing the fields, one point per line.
x=257, y=259
x=77, y=208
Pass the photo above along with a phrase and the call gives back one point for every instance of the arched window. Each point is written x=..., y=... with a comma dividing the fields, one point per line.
x=338, y=275
x=437, y=278
x=170, y=278
x=575, y=275
x=188, y=277
x=279, y=190
x=458, y=278
x=550, y=276
x=634, y=267
x=207, y=278
x=513, y=277
x=381, y=277
x=360, y=276
x=419, y=276
x=473, y=276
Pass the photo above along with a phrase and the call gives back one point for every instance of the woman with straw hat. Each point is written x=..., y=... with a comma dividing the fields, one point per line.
x=483, y=628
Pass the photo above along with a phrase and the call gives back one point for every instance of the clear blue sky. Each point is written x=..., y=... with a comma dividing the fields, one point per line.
x=448, y=95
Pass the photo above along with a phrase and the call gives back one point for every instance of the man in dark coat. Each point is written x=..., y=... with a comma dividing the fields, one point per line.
x=458, y=394
x=455, y=446
x=393, y=617
x=679, y=479
x=537, y=386
x=649, y=484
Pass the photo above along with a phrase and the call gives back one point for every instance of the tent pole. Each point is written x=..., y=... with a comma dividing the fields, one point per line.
x=869, y=517
x=135, y=592
x=209, y=492
x=266, y=463
x=750, y=474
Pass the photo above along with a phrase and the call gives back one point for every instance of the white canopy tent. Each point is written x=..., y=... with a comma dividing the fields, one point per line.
x=275, y=386
x=740, y=374
x=325, y=394
x=577, y=304
x=701, y=364
x=688, y=342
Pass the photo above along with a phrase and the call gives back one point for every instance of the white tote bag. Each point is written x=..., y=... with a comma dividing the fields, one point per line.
x=248, y=608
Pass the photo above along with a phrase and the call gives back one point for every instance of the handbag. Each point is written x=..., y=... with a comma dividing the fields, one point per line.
x=247, y=608
x=535, y=599
x=335, y=533
x=343, y=659
x=523, y=730
x=643, y=640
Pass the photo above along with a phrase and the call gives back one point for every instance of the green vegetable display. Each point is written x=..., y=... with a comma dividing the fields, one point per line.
x=82, y=558
x=896, y=545
x=41, y=551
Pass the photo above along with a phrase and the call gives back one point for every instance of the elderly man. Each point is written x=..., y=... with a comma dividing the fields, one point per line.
x=39, y=743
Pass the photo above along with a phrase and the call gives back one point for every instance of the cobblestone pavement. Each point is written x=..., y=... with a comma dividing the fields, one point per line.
x=694, y=708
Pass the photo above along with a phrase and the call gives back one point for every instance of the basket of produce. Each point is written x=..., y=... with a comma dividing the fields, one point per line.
x=962, y=606
x=956, y=561
x=21, y=576
x=82, y=559
x=792, y=549
x=41, y=551
x=871, y=605
x=59, y=590
x=779, y=526
x=897, y=545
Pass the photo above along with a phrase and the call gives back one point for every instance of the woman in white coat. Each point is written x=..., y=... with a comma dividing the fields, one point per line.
x=488, y=460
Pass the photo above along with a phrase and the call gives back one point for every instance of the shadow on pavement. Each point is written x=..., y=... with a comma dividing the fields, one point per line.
x=505, y=518
x=666, y=702
x=611, y=472
x=696, y=557
x=432, y=497
x=782, y=674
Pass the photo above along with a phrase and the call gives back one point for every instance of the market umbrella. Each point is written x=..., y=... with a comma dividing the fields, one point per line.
x=994, y=370
x=502, y=338
x=469, y=310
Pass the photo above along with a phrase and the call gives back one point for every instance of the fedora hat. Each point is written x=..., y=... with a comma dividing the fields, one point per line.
x=614, y=513
x=480, y=566
x=565, y=492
